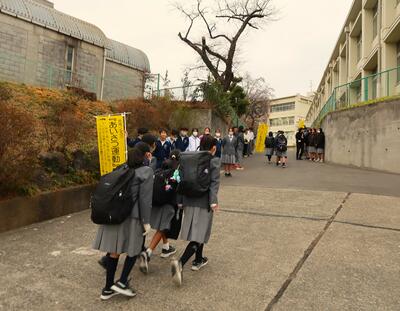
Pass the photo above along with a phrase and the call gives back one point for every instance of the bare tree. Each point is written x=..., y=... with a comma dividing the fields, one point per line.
x=218, y=54
x=259, y=95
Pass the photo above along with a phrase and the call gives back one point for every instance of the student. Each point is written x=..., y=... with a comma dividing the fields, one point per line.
x=229, y=152
x=251, y=140
x=218, y=137
x=198, y=217
x=239, y=147
x=162, y=216
x=173, y=138
x=320, y=145
x=299, y=144
x=207, y=132
x=148, y=141
x=132, y=142
x=182, y=142
x=163, y=148
x=127, y=237
x=269, y=146
x=281, y=149
x=194, y=141
x=246, y=151
x=312, y=140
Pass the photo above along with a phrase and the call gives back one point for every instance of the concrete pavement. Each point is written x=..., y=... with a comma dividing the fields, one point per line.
x=271, y=249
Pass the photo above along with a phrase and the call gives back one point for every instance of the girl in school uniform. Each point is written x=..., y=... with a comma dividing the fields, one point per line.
x=229, y=152
x=163, y=148
x=162, y=216
x=198, y=217
x=127, y=238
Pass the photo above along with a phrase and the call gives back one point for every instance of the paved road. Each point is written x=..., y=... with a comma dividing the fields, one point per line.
x=308, y=175
x=271, y=249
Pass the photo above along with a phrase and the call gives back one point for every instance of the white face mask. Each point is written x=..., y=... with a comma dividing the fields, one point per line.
x=218, y=135
x=195, y=134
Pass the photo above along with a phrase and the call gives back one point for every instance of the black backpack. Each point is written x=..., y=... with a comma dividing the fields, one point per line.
x=195, y=174
x=111, y=202
x=163, y=189
x=281, y=142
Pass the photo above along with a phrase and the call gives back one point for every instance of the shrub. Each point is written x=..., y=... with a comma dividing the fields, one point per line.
x=18, y=155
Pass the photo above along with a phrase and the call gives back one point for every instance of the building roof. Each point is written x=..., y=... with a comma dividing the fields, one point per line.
x=127, y=55
x=48, y=17
x=43, y=14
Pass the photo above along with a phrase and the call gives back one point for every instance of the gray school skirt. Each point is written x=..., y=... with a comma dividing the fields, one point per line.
x=126, y=238
x=161, y=217
x=312, y=149
x=269, y=151
x=281, y=154
x=320, y=150
x=228, y=159
x=196, y=224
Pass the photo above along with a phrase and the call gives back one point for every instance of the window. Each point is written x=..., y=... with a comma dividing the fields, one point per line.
x=282, y=121
x=375, y=22
x=359, y=47
x=398, y=62
x=283, y=107
x=69, y=64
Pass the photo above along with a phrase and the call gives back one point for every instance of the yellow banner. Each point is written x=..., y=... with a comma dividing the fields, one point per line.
x=261, y=135
x=112, y=142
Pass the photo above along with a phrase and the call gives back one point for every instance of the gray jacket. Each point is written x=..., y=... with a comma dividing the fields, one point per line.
x=240, y=141
x=142, y=189
x=228, y=146
x=209, y=198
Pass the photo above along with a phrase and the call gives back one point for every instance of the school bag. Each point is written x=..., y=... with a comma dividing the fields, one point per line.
x=112, y=203
x=194, y=171
x=164, y=189
x=281, y=144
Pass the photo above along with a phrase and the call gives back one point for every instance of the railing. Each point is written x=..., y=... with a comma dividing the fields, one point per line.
x=378, y=85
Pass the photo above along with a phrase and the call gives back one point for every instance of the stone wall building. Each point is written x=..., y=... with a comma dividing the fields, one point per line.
x=45, y=47
x=365, y=63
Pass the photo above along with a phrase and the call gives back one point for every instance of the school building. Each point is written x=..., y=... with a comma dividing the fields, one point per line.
x=287, y=113
x=365, y=63
x=45, y=47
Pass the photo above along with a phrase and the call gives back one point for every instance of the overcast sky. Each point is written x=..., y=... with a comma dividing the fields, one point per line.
x=288, y=53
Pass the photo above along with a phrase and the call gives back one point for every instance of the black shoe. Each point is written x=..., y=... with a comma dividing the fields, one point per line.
x=196, y=266
x=165, y=253
x=229, y=174
x=124, y=289
x=107, y=294
x=103, y=262
x=283, y=165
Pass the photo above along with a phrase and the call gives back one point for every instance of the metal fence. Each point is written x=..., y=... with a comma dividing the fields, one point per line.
x=378, y=85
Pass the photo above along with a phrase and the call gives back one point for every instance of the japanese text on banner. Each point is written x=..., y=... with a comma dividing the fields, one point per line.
x=111, y=141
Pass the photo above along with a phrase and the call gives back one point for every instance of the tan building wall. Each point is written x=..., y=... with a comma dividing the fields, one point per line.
x=286, y=113
x=369, y=43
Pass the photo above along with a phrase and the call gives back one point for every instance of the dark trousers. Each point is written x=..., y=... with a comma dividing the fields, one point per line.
x=299, y=150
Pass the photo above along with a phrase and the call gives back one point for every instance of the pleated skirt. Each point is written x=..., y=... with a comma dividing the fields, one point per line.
x=126, y=238
x=196, y=224
x=161, y=217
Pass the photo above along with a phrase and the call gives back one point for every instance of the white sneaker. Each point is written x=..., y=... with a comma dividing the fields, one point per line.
x=123, y=289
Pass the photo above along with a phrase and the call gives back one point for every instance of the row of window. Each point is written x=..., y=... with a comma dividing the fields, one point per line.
x=282, y=121
x=283, y=107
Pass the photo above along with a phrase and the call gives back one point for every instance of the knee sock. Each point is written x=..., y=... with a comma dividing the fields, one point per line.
x=144, y=242
x=199, y=253
x=112, y=264
x=128, y=265
x=189, y=252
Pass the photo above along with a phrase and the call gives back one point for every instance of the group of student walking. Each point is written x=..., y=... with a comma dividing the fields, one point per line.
x=185, y=215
